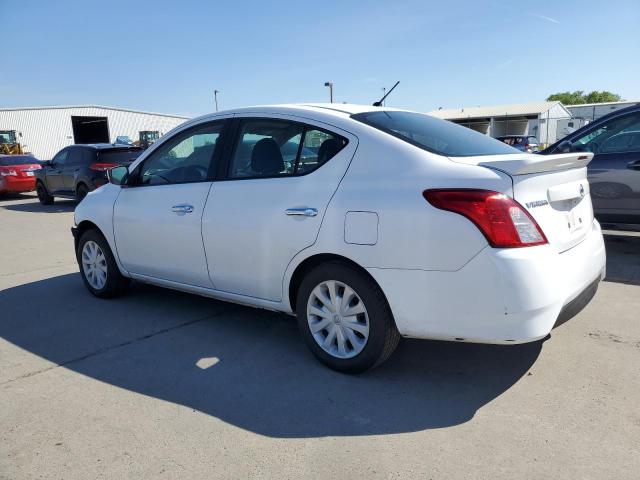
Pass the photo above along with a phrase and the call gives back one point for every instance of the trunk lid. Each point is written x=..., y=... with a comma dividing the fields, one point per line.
x=552, y=188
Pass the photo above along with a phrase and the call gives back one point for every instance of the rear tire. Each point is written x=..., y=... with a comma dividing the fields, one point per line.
x=43, y=195
x=98, y=267
x=364, y=324
x=81, y=192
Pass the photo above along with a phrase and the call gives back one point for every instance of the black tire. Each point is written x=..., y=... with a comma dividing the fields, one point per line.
x=81, y=192
x=43, y=195
x=115, y=283
x=383, y=334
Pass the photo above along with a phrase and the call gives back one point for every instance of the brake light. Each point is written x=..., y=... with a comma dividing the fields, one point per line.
x=102, y=167
x=502, y=220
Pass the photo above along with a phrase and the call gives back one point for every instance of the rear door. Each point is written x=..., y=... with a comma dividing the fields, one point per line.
x=157, y=220
x=75, y=159
x=271, y=203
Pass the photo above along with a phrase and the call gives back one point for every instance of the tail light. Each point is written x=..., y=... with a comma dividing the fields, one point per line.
x=102, y=167
x=502, y=220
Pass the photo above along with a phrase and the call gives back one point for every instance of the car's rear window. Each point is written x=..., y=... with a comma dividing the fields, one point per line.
x=119, y=156
x=433, y=134
x=10, y=160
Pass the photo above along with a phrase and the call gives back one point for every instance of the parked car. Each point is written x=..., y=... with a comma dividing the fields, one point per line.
x=78, y=169
x=17, y=173
x=400, y=225
x=524, y=143
x=614, y=172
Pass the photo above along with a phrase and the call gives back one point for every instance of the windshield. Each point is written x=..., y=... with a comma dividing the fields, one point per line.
x=8, y=137
x=433, y=134
x=11, y=160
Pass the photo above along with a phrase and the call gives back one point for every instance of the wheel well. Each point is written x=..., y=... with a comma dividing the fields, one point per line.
x=82, y=227
x=312, y=262
x=81, y=184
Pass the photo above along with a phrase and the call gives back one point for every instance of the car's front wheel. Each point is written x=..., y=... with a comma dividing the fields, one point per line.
x=98, y=267
x=345, y=319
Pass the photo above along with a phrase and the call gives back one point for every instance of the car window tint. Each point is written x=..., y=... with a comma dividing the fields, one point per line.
x=274, y=148
x=266, y=148
x=61, y=157
x=187, y=157
x=617, y=136
x=433, y=134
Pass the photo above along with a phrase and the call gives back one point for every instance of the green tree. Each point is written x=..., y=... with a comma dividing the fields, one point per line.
x=573, y=98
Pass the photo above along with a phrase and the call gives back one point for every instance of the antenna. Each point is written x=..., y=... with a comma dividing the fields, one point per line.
x=379, y=102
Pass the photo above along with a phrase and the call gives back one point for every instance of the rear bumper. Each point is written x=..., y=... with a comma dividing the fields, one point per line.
x=500, y=296
x=14, y=184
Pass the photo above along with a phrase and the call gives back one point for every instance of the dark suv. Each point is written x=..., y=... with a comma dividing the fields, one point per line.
x=78, y=169
x=614, y=172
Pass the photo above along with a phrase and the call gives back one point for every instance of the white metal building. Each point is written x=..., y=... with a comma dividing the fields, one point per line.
x=43, y=131
x=593, y=111
x=539, y=119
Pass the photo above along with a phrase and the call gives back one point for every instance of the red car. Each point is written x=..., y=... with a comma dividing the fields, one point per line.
x=17, y=173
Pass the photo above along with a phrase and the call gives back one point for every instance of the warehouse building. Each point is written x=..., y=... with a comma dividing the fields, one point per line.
x=43, y=131
x=540, y=119
x=593, y=111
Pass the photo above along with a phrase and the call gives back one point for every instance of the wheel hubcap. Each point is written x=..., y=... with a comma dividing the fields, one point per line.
x=94, y=265
x=338, y=319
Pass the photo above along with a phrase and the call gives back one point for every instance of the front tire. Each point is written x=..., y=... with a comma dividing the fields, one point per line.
x=43, y=195
x=98, y=267
x=344, y=318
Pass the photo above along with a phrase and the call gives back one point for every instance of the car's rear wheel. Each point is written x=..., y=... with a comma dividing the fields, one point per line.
x=98, y=267
x=43, y=194
x=81, y=192
x=345, y=319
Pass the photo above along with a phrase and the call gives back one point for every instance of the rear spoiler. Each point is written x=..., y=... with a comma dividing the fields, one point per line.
x=540, y=163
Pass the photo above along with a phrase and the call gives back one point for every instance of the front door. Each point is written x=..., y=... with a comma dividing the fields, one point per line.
x=280, y=179
x=54, y=172
x=157, y=219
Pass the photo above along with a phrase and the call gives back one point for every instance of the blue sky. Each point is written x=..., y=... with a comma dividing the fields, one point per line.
x=170, y=56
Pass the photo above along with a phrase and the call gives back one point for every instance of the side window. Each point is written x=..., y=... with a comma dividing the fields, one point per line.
x=187, y=157
x=75, y=155
x=618, y=136
x=61, y=158
x=275, y=148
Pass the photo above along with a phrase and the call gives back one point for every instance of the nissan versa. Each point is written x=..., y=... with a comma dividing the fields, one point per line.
x=382, y=223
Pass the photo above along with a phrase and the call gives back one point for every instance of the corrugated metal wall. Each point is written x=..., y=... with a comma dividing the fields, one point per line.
x=45, y=131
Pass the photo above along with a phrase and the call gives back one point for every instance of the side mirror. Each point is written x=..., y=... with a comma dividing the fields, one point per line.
x=118, y=175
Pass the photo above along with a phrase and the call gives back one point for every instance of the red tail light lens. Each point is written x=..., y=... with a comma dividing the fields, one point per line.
x=502, y=220
x=102, y=167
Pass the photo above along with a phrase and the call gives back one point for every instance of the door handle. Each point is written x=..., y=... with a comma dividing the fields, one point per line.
x=182, y=209
x=304, y=212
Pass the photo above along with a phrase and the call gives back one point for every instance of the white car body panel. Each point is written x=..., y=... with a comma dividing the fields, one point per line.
x=440, y=276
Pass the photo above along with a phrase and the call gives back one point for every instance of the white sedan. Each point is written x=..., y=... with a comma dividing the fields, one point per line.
x=367, y=223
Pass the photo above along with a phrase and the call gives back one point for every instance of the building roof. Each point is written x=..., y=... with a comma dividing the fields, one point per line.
x=516, y=109
x=622, y=102
x=58, y=107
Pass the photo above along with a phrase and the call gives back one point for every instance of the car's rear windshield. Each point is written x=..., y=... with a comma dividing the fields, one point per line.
x=433, y=134
x=10, y=160
x=125, y=155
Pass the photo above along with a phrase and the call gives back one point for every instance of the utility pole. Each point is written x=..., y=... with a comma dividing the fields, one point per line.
x=330, y=85
x=215, y=97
